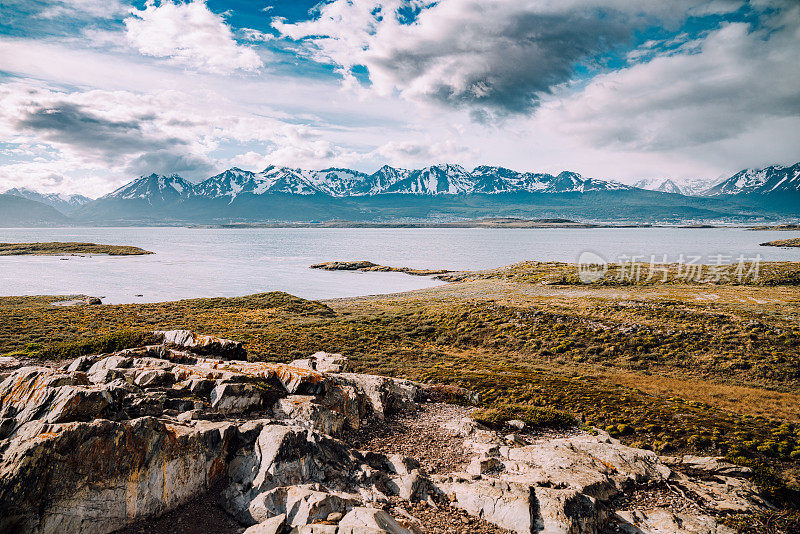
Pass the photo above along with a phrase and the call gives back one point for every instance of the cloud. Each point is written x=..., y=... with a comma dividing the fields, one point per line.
x=82, y=9
x=190, y=35
x=495, y=55
x=170, y=160
x=421, y=153
x=298, y=147
x=120, y=133
x=732, y=82
x=71, y=124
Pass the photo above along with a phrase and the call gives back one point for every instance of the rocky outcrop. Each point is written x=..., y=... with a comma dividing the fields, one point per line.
x=206, y=345
x=110, y=439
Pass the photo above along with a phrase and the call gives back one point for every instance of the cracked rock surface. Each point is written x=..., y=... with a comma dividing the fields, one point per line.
x=117, y=441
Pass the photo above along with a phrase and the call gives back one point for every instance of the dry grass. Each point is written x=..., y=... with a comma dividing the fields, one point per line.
x=756, y=402
x=675, y=368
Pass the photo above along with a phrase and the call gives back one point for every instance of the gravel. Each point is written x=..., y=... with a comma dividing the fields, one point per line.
x=418, y=435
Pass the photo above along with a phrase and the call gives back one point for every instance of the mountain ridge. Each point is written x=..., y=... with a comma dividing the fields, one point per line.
x=434, y=193
x=17, y=211
x=62, y=202
x=440, y=179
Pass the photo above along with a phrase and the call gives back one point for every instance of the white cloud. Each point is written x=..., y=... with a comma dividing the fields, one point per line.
x=495, y=54
x=425, y=152
x=724, y=86
x=190, y=35
x=122, y=134
x=82, y=9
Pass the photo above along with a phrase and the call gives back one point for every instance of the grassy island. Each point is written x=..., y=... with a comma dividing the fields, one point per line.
x=783, y=243
x=368, y=266
x=58, y=248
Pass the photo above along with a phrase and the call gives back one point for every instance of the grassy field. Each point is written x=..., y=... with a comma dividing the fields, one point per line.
x=64, y=248
x=707, y=368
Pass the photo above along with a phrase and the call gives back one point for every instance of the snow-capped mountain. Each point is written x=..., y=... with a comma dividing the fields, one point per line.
x=154, y=188
x=434, y=180
x=60, y=201
x=502, y=180
x=440, y=191
x=339, y=182
x=384, y=178
x=572, y=182
x=690, y=188
x=656, y=184
x=772, y=179
x=228, y=184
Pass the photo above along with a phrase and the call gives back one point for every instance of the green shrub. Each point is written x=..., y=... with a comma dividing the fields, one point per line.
x=112, y=342
x=533, y=416
x=624, y=429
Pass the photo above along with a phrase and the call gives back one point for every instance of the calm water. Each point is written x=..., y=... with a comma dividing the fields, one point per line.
x=226, y=262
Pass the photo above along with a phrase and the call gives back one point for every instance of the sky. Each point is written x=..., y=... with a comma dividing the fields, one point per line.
x=94, y=93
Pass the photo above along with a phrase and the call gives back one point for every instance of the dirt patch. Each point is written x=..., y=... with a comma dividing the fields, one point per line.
x=419, y=435
x=440, y=519
x=657, y=496
x=200, y=516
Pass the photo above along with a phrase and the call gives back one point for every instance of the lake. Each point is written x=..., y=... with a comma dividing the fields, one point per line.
x=205, y=262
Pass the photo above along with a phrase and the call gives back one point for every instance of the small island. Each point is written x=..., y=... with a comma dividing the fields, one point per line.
x=368, y=266
x=58, y=248
x=777, y=227
x=782, y=243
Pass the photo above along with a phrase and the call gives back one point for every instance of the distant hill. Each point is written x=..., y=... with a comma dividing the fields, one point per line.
x=66, y=204
x=20, y=212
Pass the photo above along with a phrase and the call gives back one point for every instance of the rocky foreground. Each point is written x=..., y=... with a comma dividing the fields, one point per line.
x=110, y=440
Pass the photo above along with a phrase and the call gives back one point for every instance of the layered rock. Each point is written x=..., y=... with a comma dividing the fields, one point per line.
x=107, y=440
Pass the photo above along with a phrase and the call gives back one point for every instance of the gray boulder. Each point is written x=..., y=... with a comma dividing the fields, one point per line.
x=273, y=525
x=371, y=518
x=323, y=362
x=235, y=398
x=225, y=349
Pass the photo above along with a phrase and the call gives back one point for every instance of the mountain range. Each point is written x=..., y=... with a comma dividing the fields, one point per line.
x=333, y=182
x=60, y=201
x=434, y=192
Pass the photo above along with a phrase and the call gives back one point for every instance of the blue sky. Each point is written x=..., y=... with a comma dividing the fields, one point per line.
x=97, y=92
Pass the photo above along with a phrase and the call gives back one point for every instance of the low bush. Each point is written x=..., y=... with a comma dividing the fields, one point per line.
x=533, y=416
x=112, y=342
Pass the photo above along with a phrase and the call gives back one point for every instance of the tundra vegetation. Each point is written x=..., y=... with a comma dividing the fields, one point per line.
x=709, y=368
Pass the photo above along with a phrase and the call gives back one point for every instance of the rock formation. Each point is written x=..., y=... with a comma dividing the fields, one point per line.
x=110, y=439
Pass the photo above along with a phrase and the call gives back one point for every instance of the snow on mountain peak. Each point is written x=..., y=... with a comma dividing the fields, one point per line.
x=440, y=179
x=63, y=202
x=772, y=179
